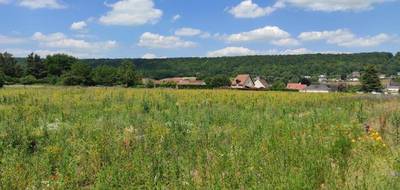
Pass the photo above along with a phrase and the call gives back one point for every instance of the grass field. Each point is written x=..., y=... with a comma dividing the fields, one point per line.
x=114, y=138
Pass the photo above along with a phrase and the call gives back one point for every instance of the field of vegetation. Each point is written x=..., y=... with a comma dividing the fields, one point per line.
x=116, y=138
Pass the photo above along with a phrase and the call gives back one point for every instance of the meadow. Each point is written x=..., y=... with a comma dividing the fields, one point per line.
x=116, y=138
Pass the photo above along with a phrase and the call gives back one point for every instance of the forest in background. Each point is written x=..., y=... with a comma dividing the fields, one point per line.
x=272, y=67
x=63, y=69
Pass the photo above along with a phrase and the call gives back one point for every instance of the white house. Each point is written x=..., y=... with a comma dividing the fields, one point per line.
x=393, y=88
x=242, y=81
x=260, y=83
x=322, y=79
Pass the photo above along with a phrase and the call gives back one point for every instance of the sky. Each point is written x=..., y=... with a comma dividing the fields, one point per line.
x=197, y=28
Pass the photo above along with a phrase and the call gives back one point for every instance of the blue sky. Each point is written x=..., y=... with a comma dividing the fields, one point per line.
x=186, y=28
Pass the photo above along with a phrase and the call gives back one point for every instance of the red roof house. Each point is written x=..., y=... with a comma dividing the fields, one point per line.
x=296, y=86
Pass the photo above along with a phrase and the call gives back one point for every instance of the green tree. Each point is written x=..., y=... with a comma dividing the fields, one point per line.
x=59, y=63
x=218, y=81
x=9, y=65
x=370, y=80
x=305, y=81
x=78, y=75
x=1, y=79
x=104, y=75
x=278, y=85
x=35, y=66
x=126, y=74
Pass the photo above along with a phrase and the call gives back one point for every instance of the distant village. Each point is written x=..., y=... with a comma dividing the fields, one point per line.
x=246, y=82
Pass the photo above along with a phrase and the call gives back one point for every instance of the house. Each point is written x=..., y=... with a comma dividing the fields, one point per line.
x=382, y=76
x=182, y=81
x=322, y=78
x=260, y=83
x=393, y=87
x=242, y=81
x=296, y=86
x=320, y=88
x=354, y=76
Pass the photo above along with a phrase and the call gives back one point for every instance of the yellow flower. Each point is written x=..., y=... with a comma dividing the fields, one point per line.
x=353, y=141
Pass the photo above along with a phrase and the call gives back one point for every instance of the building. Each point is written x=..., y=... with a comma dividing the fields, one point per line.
x=242, y=81
x=260, y=83
x=354, y=76
x=393, y=87
x=296, y=86
x=322, y=79
x=320, y=88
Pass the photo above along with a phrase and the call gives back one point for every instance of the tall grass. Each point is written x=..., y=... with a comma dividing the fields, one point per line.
x=112, y=138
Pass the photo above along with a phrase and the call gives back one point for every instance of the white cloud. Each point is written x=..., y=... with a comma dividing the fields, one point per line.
x=248, y=9
x=151, y=40
x=268, y=33
x=59, y=40
x=41, y=4
x=188, y=32
x=4, y=1
x=78, y=26
x=345, y=38
x=132, y=13
x=231, y=51
x=151, y=56
x=11, y=40
x=242, y=51
x=286, y=42
x=176, y=17
x=335, y=5
x=298, y=51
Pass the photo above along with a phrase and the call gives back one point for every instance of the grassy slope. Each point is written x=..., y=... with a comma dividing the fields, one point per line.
x=118, y=138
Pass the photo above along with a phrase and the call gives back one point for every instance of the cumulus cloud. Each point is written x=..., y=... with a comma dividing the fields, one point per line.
x=78, y=26
x=286, y=42
x=242, y=51
x=41, y=4
x=132, y=13
x=188, y=32
x=231, y=51
x=151, y=40
x=60, y=40
x=345, y=38
x=335, y=5
x=248, y=9
x=151, y=56
x=11, y=40
x=272, y=34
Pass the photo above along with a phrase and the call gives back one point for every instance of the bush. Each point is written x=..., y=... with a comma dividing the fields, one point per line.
x=70, y=80
x=278, y=85
x=27, y=80
x=218, y=81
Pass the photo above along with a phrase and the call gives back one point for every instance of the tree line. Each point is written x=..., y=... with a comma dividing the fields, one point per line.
x=276, y=69
x=63, y=69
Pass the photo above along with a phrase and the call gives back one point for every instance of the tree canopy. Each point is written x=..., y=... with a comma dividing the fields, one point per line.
x=370, y=80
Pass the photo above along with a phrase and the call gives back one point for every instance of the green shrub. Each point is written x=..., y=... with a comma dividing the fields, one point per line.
x=27, y=80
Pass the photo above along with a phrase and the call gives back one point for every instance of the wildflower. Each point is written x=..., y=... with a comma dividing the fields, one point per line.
x=353, y=140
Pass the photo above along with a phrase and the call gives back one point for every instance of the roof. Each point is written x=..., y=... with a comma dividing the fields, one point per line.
x=296, y=86
x=319, y=87
x=241, y=79
x=263, y=82
x=394, y=83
